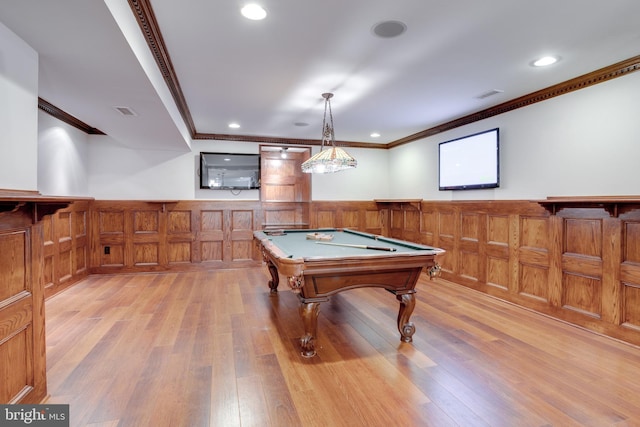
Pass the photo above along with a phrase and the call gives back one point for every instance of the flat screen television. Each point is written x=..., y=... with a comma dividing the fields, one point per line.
x=470, y=162
x=229, y=171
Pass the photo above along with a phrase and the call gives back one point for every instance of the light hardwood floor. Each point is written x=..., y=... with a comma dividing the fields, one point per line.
x=215, y=349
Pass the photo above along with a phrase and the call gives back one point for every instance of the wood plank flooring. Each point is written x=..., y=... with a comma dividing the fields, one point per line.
x=215, y=349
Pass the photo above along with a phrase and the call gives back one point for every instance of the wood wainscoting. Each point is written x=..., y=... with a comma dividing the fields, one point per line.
x=66, y=247
x=31, y=247
x=145, y=236
x=577, y=261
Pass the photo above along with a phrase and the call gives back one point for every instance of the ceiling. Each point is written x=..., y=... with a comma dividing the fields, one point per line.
x=269, y=75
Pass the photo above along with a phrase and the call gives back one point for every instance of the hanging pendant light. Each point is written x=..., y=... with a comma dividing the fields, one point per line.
x=330, y=158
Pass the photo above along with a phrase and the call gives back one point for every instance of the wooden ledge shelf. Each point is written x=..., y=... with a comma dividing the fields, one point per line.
x=39, y=205
x=416, y=203
x=613, y=205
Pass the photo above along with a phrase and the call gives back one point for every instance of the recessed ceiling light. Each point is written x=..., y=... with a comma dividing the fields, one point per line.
x=375, y=135
x=234, y=125
x=544, y=61
x=253, y=11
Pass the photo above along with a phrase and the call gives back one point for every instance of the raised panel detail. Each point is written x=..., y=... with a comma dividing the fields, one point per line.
x=211, y=251
x=581, y=293
x=80, y=223
x=145, y=222
x=115, y=257
x=65, y=266
x=373, y=220
x=111, y=222
x=242, y=220
x=179, y=222
x=351, y=219
x=13, y=264
x=17, y=376
x=179, y=252
x=583, y=236
x=498, y=229
x=211, y=220
x=446, y=224
x=242, y=250
x=631, y=249
x=533, y=282
x=81, y=258
x=631, y=305
x=326, y=218
x=146, y=253
x=498, y=272
x=534, y=232
x=469, y=265
x=283, y=216
x=411, y=221
x=470, y=224
x=63, y=226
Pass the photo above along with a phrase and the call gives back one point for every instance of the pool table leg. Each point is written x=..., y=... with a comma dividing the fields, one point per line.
x=406, y=328
x=309, y=313
x=275, y=279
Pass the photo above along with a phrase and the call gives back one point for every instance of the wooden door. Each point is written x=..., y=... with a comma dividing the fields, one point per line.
x=285, y=191
x=282, y=179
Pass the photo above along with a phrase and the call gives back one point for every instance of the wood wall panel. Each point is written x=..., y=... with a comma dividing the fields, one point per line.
x=578, y=264
x=582, y=293
x=13, y=247
x=532, y=282
x=17, y=376
x=469, y=265
x=447, y=224
x=498, y=229
x=583, y=236
x=632, y=242
x=36, y=245
x=146, y=254
x=176, y=235
x=65, y=249
x=111, y=222
x=498, y=272
x=146, y=222
x=631, y=306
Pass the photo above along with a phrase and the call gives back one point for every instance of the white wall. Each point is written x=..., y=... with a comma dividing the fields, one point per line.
x=119, y=173
x=18, y=113
x=369, y=180
x=63, y=154
x=585, y=143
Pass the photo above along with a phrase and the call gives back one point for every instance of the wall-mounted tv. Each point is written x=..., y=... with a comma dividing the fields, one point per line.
x=470, y=162
x=229, y=171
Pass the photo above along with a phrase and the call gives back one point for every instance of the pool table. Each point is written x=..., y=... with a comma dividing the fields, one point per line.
x=320, y=263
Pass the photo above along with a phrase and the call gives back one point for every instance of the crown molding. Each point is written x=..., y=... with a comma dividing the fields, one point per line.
x=67, y=118
x=599, y=76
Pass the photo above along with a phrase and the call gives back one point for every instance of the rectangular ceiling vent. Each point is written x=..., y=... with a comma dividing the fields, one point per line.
x=489, y=93
x=125, y=111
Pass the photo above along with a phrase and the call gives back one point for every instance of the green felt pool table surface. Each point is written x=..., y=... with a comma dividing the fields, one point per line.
x=295, y=244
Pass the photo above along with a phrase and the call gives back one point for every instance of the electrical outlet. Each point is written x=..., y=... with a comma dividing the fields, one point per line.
x=107, y=250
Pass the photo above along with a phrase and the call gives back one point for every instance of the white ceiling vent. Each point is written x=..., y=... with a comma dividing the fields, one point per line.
x=489, y=93
x=125, y=111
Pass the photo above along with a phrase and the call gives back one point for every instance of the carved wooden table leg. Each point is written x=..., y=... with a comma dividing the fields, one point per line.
x=406, y=328
x=275, y=279
x=309, y=313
